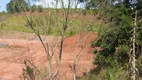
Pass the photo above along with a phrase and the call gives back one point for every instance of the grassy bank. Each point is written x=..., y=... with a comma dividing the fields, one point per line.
x=48, y=23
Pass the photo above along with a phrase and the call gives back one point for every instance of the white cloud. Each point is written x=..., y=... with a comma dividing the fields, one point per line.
x=115, y=2
x=52, y=4
x=82, y=4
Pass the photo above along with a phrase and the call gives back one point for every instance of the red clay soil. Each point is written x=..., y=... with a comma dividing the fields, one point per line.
x=13, y=56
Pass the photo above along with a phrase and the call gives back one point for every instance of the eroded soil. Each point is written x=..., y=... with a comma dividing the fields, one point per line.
x=17, y=46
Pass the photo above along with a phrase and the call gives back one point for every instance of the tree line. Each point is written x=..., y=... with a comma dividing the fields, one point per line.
x=17, y=6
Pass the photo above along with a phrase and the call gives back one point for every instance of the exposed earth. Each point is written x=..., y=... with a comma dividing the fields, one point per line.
x=15, y=47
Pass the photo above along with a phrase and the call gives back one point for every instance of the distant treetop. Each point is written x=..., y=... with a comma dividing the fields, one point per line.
x=17, y=6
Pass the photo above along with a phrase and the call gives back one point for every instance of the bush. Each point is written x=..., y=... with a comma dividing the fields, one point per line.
x=36, y=8
x=108, y=74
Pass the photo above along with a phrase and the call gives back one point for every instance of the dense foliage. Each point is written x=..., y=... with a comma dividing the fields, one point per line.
x=36, y=8
x=115, y=39
x=117, y=35
x=17, y=6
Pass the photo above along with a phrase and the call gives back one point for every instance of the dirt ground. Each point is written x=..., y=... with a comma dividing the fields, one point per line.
x=15, y=47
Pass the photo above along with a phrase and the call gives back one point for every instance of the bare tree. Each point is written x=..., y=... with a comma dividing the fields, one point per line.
x=36, y=25
x=31, y=23
x=133, y=56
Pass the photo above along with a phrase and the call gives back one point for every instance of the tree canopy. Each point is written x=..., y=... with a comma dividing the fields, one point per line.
x=115, y=38
x=17, y=6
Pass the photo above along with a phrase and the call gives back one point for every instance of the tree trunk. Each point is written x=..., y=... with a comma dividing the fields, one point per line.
x=133, y=56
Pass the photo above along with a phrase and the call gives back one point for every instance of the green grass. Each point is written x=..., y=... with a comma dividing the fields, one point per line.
x=15, y=23
x=108, y=74
x=47, y=25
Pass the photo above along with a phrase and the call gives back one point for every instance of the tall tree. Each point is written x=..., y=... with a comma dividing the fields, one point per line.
x=17, y=6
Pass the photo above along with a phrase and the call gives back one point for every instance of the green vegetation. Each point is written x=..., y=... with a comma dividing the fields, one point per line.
x=45, y=24
x=17, y=6
x=115, y=33
x=108, y=74
x=116, y=38
x=36, y=8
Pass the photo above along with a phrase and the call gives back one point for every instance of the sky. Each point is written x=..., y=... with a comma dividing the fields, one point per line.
x=3, y=5
x=50, y=3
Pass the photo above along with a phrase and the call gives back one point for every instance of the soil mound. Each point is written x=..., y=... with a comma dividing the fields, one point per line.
x=82, y=38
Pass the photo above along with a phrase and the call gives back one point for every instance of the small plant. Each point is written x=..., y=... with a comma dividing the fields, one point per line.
x=28, y=72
